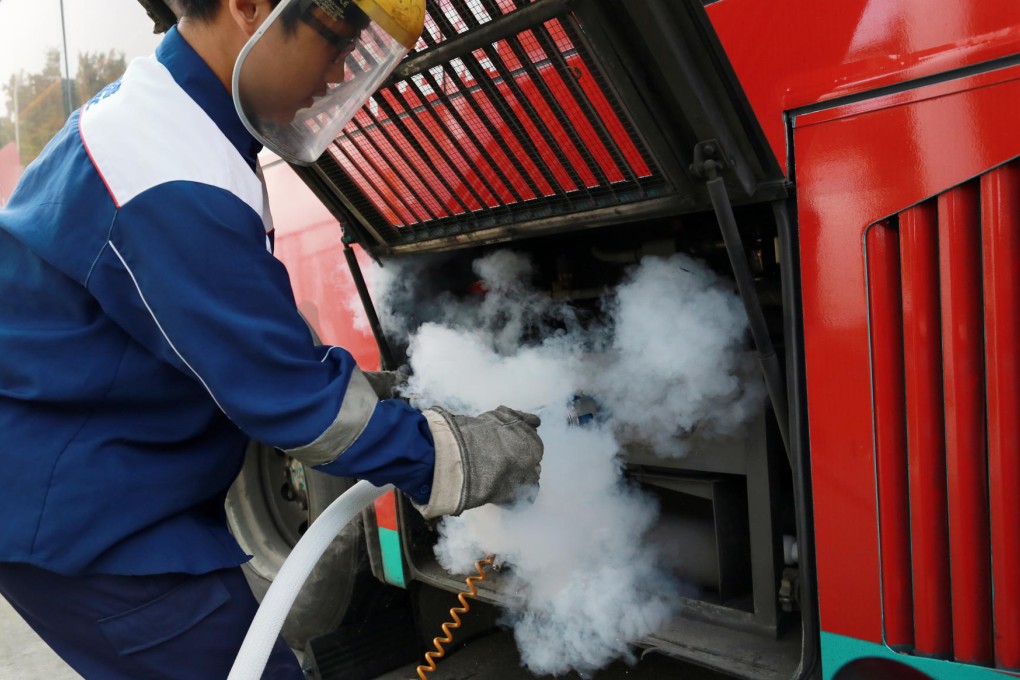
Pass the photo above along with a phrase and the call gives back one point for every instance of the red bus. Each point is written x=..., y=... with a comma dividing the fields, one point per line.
x=851, y=171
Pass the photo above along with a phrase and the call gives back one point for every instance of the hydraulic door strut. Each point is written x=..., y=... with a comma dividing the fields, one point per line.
x=707, y=164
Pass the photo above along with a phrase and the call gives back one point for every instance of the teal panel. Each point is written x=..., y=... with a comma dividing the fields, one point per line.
x=393, y=563
x=838, y=650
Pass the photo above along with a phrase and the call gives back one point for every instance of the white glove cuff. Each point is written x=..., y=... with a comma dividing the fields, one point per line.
x=448, y=475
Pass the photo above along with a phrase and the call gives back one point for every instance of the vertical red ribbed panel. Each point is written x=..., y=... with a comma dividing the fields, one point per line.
x=890, y=432
x=959, y=215
x=1000, y=197
x=919, y=261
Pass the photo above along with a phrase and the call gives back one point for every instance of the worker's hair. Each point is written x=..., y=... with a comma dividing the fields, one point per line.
x=204, y=10
x=200, y=10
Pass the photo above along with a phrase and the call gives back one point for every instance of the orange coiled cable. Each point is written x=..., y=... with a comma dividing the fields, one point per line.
x=455, y=612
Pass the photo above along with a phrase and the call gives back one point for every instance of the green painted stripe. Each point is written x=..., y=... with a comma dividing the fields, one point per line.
x=838, y=650
x=393, y=564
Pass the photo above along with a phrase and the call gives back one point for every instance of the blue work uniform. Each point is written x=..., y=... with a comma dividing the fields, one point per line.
x=147, y=331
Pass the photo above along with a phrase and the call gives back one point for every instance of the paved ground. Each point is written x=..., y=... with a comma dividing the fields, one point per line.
x=23, y=656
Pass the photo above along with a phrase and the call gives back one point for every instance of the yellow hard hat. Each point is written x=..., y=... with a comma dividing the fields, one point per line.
x=403, y=19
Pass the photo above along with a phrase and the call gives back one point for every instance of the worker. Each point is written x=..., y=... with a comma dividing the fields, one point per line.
x=146, y=332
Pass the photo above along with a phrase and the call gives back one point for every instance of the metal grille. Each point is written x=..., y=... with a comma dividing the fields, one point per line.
x=515, y=129
x=944, y=301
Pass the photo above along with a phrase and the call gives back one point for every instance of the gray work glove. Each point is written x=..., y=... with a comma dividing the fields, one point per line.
x=481, y=460
x=386, y=384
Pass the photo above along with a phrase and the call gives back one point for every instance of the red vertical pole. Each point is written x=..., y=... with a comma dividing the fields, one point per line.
x=959, y=216
x=1000, y=200
x=886, y=320
x=919, y=261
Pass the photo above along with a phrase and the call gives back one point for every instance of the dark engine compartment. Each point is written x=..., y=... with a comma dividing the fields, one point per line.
x=727, y=520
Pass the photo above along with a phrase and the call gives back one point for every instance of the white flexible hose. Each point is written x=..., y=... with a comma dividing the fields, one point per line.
x=265, y=627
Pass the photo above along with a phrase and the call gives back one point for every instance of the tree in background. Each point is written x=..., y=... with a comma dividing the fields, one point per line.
x=6, y=131
x=39, y=103
x=96, y=71
x=35, y=102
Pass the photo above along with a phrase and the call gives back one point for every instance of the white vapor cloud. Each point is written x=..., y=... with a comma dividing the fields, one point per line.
x=668, y=359
x=679, y=362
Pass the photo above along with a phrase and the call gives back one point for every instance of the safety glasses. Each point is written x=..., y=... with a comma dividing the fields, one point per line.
x=341, y=44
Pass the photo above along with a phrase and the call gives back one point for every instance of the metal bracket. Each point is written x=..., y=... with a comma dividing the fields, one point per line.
x=789, y=590
x=709, y=159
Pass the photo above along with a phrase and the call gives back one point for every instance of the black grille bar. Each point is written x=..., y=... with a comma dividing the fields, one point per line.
x=592, y=115
x=470, y=130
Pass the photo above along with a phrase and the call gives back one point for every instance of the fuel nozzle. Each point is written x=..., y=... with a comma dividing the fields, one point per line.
x=583, y=410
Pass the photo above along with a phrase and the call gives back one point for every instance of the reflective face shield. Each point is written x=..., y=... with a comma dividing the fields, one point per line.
x=313, y=63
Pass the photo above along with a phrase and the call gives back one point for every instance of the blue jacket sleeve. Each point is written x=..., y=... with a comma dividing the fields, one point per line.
x=186, y=272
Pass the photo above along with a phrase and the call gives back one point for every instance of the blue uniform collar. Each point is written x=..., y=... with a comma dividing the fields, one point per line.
x=196, y=78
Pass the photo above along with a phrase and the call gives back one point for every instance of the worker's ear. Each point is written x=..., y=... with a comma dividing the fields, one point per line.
x=249, y=14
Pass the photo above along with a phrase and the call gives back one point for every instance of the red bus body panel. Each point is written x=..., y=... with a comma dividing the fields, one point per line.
x=890, y=434
x=926, y=453
x=1001, y=193
x=967, y=478
x=857, y=165
x=789, y=54
x=308, y=243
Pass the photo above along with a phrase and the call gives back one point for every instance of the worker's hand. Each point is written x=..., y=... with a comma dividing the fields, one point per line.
x=386, y=384
x=481, y=460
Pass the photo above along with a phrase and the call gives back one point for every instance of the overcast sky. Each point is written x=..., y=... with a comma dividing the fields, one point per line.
x=28, y=28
